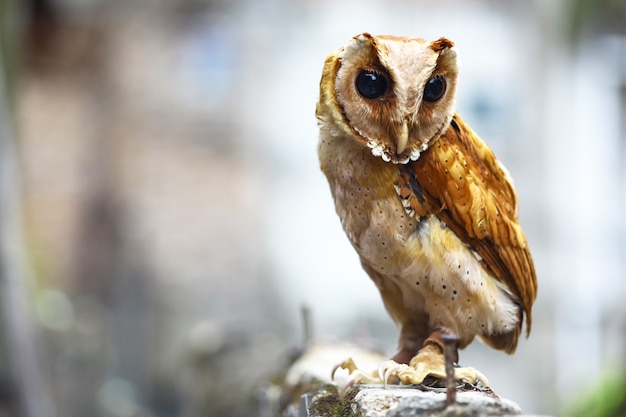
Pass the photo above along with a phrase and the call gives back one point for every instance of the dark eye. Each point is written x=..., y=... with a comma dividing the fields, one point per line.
x=435, y=87
x=370, y=84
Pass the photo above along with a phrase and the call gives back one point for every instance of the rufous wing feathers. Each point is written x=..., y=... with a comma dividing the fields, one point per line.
x=461, y=182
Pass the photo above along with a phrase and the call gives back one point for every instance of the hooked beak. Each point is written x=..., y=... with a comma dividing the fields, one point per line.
x=402, y=139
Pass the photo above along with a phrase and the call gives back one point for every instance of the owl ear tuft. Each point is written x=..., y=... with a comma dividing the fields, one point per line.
x=363, y=36
x=441, y=44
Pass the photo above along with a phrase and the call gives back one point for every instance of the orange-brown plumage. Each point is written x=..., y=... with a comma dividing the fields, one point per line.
x=460, y=181
x=427, y=206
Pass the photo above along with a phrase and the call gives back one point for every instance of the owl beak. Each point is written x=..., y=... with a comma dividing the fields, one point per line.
x=402, y=139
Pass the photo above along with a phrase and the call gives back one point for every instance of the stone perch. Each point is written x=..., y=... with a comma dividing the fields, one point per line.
x=306, y=390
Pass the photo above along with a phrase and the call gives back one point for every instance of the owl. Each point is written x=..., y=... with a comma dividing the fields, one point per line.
x=431, y=212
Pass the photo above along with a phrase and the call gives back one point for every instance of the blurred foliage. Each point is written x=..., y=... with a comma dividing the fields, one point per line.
x=603, y=16
x=607, y=399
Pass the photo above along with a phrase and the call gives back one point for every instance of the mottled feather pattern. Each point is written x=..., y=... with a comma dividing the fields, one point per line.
x=461, y=182
x=429, y=209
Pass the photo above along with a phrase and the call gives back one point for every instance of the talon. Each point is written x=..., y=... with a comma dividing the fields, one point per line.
x=422, y=366
x=383, y=368
x=346, y=364
x=471, y=376
x=389, y=372
x=357, y=376
x=388, y=369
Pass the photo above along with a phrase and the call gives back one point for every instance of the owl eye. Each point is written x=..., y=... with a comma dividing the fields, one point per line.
x=370, y=84
x=435, y=87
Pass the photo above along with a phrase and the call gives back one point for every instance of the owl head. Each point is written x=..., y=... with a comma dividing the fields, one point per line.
x=395, y=95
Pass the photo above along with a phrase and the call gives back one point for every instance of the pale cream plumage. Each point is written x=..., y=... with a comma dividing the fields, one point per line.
x=429, y=209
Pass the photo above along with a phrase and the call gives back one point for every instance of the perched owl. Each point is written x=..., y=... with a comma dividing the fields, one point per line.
x=430, y=210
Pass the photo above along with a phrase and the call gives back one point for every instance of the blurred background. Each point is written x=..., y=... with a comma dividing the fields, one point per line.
x=164, y=219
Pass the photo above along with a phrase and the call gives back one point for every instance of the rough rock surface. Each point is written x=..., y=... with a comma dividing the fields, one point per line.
x=307, y=391
x=377, y=401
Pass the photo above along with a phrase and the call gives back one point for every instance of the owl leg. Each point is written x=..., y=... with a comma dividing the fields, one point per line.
x=430, y=361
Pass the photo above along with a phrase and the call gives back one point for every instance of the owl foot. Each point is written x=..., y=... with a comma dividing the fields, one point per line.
x=429, y=362
x=357, y=376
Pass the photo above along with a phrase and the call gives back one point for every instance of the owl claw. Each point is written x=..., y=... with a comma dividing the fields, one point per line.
x=357, y=376
x=404, y=373
x=472, y=376
x=425, y=364
x=388, y=369
x=346, y=364
x=415, y=374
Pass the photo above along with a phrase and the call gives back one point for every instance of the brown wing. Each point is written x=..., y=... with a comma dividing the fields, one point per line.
x=459, y=180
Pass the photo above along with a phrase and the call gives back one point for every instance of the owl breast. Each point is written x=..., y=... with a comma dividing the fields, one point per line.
x=428, y=278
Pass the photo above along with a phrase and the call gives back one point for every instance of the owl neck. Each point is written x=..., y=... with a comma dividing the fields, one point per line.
x=347, y=160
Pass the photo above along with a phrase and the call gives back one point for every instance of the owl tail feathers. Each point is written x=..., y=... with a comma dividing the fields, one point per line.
x=506, y=341
x=503, y=341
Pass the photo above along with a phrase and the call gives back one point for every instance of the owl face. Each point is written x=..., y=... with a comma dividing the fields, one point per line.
x=395, y=95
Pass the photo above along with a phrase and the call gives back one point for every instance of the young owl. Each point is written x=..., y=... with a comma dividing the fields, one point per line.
x=430, y=210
